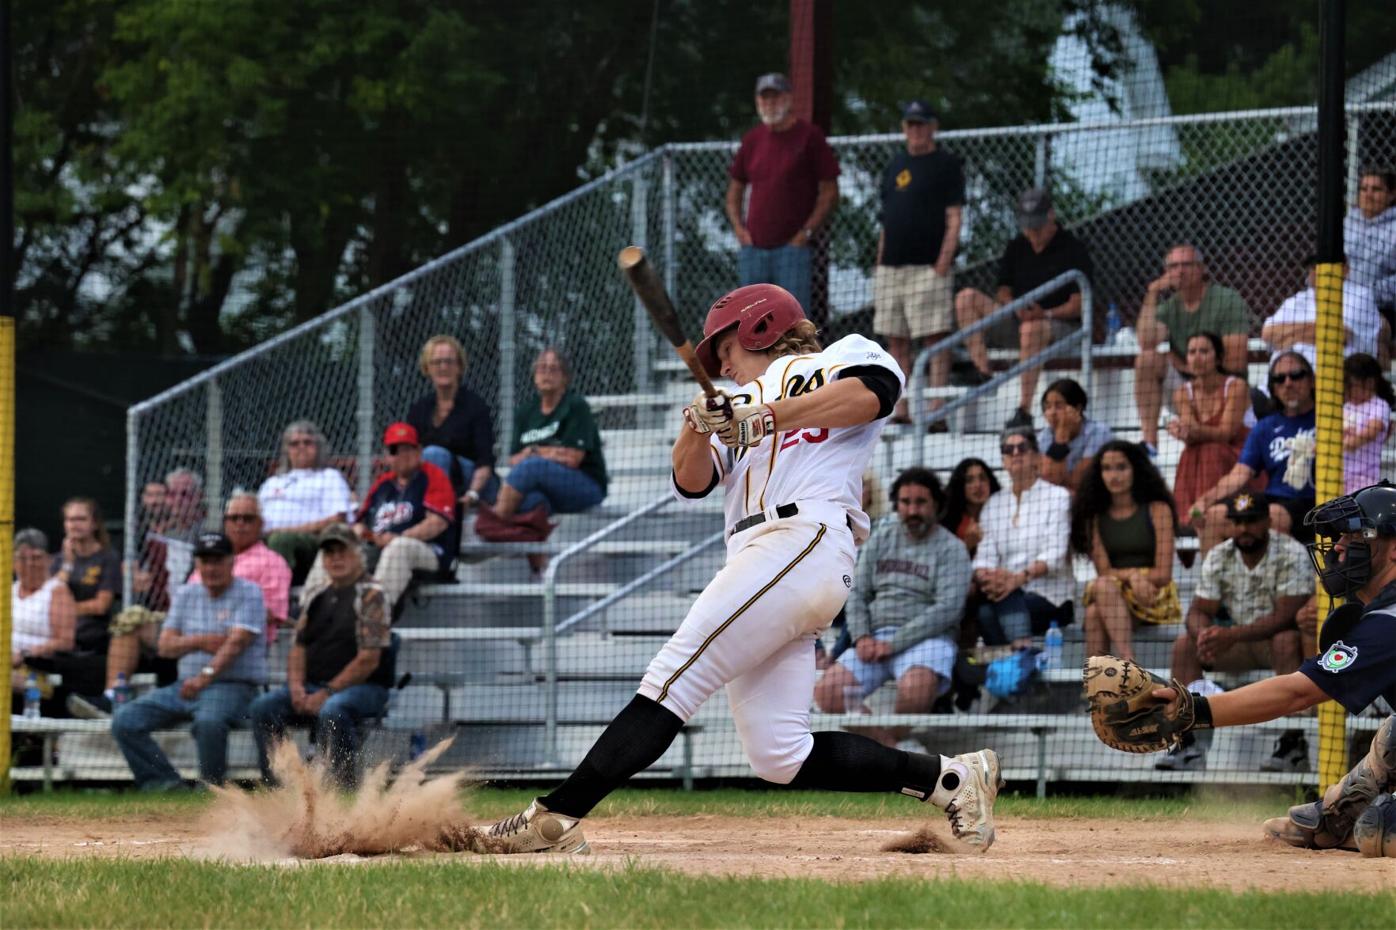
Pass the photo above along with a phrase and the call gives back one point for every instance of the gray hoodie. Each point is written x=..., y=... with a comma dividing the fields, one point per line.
x=918, y=586
x=1371, y=250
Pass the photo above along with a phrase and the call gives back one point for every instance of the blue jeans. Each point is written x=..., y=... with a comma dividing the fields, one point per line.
x=214, y=710
x=555, y=486
x=788, y=266
x=1019, y=615
x=336, y=726
x=440, y=456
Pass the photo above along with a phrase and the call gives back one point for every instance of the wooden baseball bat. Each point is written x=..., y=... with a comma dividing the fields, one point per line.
x=644, y=281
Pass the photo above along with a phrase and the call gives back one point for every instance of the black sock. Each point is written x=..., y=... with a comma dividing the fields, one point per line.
x=634, y=740
x=849, y=762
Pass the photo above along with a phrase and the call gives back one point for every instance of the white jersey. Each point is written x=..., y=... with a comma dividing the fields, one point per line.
x=816, y=464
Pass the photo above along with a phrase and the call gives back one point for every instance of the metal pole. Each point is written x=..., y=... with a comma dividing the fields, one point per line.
x=128, y=533
x=641, y=340
x=670, y=229
x=213, y=454
x=508, y=348
x=1354, y=161
x=363, y=413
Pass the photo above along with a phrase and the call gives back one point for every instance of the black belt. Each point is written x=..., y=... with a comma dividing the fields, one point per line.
x=756, y=519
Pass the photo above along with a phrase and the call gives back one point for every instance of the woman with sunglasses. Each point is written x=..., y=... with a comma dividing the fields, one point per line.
x=1123, y=520
x=1281, y=447
x=1021, y=565
x=304, y=496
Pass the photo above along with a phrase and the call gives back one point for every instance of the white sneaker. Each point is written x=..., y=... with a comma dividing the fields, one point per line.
x=966, y=790
x=537, y=830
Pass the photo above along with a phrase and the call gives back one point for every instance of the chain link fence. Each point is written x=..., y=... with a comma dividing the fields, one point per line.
x=522, y=664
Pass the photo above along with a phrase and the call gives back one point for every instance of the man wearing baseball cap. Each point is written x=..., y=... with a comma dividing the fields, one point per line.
x=210, y=627
x=408, y=518
x=923, y=193
x=1243, y=618
x=338, y=672
x=1040, y=252
x=793, y=177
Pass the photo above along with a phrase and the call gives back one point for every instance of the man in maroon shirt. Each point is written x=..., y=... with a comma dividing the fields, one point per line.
x=793, y=175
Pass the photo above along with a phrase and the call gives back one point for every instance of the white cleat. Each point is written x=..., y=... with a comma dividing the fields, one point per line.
x=537, y=830
x=966, y=789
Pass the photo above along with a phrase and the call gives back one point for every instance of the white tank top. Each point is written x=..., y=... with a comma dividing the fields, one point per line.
x=30, y=615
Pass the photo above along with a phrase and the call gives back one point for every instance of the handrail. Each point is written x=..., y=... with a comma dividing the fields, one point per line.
x=550, y=608
x=635, y=584
x=917, y=387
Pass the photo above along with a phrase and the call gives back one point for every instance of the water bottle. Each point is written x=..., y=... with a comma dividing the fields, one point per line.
x=121, y=693
x=416, y=745
x=32, y=696
x=979, y=651
x=1052, y=654
x=1112, y=325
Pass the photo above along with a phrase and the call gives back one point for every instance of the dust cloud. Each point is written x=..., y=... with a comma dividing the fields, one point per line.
x=308, y=817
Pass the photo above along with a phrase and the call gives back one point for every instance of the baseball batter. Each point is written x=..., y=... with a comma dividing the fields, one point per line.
x=789, y=449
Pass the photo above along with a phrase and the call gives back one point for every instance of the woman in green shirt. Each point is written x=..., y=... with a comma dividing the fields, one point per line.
x=556, y=461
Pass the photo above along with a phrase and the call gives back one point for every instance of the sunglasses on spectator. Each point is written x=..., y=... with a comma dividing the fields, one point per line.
x=398, y=447
x=1280, y=377
x=241, y=517
x=1015, y=448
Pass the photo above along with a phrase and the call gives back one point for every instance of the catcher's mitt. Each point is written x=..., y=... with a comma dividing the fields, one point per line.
x=1124, y=712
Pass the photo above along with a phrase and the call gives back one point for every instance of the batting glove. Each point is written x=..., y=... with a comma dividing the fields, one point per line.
x=749, y=425
x=707, y=414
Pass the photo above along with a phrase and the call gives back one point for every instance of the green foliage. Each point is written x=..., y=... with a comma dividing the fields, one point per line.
x=461, y=891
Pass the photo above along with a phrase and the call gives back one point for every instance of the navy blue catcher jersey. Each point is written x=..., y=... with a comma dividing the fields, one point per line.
x=1361, y=666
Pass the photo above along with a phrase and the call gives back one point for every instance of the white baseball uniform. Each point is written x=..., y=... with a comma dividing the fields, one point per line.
x=753, y=627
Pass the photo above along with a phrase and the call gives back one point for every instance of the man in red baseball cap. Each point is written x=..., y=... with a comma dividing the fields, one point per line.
x=408, y=518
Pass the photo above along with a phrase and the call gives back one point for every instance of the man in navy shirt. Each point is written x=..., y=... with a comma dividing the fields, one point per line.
x=1355, y=557
x=1281, y=446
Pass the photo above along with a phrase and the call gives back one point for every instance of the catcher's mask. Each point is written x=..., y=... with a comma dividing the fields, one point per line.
x=1362, y=517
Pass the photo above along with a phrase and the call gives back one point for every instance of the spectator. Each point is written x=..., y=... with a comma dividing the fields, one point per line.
x=1281, y=447
x=1071, y=439
x=1369, y=237
x=1123, y=520
x=1021, y=564
x=792, y=175
x=185, y=513
x=1367, y=404
x=91, y=570
x=556, y=465
x=150, y=579
x=923, y=192
x=454, y=424
x=1294, y=326
x=1214, y=418
x=133, y=643
x=874, y=505
x=908, y=598
x=337, y=674
x=1243, y=617
x=1179, y=304
x=41, y=609
x=409, y=519
x=304, y=496
x=209, y=629
x=970, y=486
x=1040, y=253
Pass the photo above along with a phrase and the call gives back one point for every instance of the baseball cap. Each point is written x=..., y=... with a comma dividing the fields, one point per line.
x=1033, y=205
x=214, y=544
x=341, y=533
x=918, y=111
x=400, y=434
x=774, y=81
x=1246, y=507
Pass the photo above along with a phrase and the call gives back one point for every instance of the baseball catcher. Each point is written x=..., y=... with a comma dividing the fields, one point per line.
x=1354, y=554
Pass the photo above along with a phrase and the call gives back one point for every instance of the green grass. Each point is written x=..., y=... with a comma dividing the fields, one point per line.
x=736, y=802
x=170, y=893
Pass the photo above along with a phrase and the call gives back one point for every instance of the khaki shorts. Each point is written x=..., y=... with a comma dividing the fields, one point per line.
x=1244, y=657
x=912, y=302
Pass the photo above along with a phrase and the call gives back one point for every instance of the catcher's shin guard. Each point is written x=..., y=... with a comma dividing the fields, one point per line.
x=966, y=790
x=1308, y=826
x=536, y=830
x=1346, y=801
x=1374, y=833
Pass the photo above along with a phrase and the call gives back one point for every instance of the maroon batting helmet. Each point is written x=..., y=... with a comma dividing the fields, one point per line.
x=762, y=314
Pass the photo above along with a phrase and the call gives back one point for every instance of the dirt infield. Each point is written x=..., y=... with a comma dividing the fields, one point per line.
x=1066, y=852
